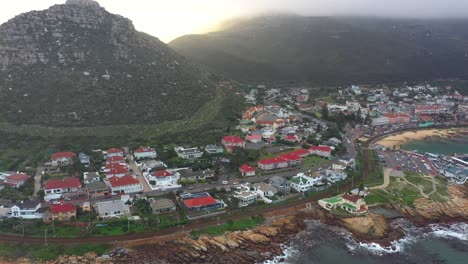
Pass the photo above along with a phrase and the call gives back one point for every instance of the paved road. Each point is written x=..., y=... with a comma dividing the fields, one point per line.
x=138, y=173
x=37, y=178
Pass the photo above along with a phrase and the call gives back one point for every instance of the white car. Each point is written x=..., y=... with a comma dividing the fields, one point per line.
x=224, y=182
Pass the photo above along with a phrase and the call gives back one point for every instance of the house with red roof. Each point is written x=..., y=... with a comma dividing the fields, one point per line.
x=256, y=138
x=60, y=159
x=292, y=159
x=126, y=184
x=272, y=163
x=247, y=170
x=145, y=153
x=112, y=152
x=200, y=202
x=115, y=160
x=164, y=178
x=233, y=141
x=16, y=180
x=60, y=212
x=397, y=118
x=291, y=138
x=430, y=109
x=117, y=171
x=55, y=188
x=322, y=151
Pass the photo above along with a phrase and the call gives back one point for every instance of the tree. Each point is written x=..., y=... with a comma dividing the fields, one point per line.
x=360, y=188
x=325, y=111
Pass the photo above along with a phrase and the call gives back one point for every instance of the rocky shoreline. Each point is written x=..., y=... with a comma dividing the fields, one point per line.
x=265, y=242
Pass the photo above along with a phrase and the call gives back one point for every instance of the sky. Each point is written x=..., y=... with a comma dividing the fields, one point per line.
x=168, y=19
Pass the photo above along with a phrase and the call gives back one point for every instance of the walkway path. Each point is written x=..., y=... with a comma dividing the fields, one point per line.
x=37, y=179
x=387, y=172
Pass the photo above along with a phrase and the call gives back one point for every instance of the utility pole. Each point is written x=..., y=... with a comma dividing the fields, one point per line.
x=45, y=236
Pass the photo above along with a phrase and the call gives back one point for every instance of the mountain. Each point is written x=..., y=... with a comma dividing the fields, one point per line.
x=78, y=65
x=332, y=49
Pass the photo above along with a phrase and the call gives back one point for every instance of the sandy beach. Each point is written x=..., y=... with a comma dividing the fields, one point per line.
x=400, y=139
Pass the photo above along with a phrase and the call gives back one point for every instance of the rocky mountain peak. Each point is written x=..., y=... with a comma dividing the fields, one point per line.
x=77, y=64
x=83, y=3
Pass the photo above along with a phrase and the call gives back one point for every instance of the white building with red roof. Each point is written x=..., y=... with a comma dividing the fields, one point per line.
x=256, y=138
x=16, y=180
x=115, y=160
x=322, y=151
x=62, y=158
x=292, y=159
x=55, y=188
x=430, y=109
x=233, y=141
x=291, y=138
x=163, y=179
x=145, y=153
x=247, y=170
x=117, y=171
x=112, y=152
x=272, y=163
x=397, y=118
x=125, y=184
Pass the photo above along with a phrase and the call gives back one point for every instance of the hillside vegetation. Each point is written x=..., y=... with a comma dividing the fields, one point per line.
x=332, y=50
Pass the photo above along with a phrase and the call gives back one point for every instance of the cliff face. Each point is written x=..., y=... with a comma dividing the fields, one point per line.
x=77, y=64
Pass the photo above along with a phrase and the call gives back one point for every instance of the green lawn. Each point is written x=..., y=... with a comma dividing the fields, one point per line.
x=327, y=99
x=46, y=253
x=241, y=224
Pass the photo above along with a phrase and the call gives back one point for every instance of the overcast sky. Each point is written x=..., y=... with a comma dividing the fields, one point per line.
x=168, y=19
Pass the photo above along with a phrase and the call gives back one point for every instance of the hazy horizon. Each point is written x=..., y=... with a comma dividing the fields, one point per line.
x=168, y=20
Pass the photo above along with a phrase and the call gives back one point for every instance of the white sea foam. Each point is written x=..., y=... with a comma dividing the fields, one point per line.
x=457, y=230
x=288, y=253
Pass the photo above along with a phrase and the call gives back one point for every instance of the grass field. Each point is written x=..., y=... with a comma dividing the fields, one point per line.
x=242, y=224
x=45, y=253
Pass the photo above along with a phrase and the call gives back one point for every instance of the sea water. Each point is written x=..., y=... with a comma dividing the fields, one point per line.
x=326, y=244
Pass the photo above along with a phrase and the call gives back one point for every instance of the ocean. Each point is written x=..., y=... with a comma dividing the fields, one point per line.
x=330, y=245
x=448, y=244
x=438, y=145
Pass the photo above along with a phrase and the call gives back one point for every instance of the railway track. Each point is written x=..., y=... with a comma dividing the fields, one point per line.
x=160, y=234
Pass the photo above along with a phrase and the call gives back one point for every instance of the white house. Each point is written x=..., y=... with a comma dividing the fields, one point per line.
x=245, y=196
x=164, y=179
x=379, y=121
x=302, y=183
x=110, y=209
x=113, y=152
x=27, y=210
x=247, y=170
x=322, y=151
x=62, y=159
x=188, y=153
x=55, y=188
x=266, y=190
x=145, y=153
x=125, y=184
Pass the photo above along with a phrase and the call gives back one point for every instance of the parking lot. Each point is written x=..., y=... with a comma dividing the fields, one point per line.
x=398, y=160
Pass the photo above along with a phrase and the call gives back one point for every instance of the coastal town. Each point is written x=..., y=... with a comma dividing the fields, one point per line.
x=342, y=151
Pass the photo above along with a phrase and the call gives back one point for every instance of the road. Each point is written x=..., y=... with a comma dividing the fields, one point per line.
x=37, y=178
x=159, y=235
x=139, y=174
